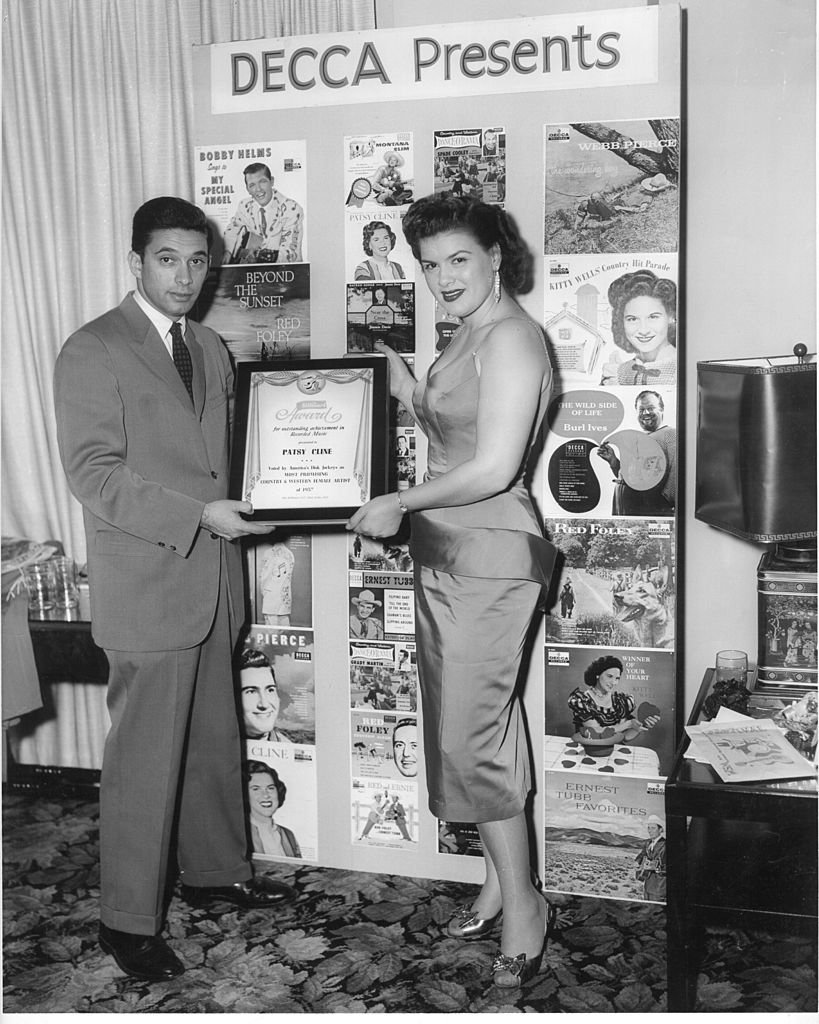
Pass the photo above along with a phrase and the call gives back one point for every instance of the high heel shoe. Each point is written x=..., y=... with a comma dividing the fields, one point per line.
x=515, y=971
x=467, y=925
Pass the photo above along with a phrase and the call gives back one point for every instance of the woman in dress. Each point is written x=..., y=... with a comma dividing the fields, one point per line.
x=479, y=554
x=265, y=794
x=602, y=714
x=643, y=324
x=378, y=242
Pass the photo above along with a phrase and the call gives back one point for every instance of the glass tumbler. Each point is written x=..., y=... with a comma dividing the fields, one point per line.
x=732, y=665
x=66, y=591
x=39, y=580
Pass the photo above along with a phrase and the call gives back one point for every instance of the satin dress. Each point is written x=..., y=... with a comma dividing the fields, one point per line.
x=479, y=570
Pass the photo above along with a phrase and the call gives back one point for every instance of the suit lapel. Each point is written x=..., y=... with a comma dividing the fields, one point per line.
x=152, y=349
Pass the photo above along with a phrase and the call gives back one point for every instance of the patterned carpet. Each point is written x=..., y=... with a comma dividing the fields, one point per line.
x=352, y=942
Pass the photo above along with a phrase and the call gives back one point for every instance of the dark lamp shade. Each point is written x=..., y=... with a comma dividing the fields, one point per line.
x=756, y=448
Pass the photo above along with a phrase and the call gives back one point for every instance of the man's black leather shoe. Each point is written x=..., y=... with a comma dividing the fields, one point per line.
x=259, y=892
x=147, y=957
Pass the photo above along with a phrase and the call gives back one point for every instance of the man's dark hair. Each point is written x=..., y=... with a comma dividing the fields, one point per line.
x=253, y=658
x=166, y=213
x=656, y=394
x=255, y=168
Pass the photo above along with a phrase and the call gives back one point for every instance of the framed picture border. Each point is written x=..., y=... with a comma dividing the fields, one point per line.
x=379, y=436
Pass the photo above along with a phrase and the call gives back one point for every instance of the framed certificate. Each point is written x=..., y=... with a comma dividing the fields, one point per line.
x=310, y=438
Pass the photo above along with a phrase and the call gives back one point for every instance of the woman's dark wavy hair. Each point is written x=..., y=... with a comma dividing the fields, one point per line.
x=370, y=229
x=260, y=768
x=599, y=666
x=631, y=286
x=487, y=223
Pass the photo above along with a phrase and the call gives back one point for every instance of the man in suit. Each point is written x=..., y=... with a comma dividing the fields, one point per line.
x=271, y=223
x=144, y=444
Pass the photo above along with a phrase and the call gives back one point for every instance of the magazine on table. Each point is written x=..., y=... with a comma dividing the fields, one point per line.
x=741, y=749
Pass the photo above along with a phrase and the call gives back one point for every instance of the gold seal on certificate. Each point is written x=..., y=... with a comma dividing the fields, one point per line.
x=310, y=437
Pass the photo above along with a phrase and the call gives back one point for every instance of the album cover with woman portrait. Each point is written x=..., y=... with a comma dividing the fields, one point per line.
x=605, y=837
x=282, y=806
x=612, y=321
x=375, y=248
x=609, y=711
x=612, y=186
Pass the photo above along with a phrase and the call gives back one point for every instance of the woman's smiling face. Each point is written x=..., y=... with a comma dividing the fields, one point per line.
x=608, y=680
x=645, y=323
x=262, y=795
x=459, y=271
x=380, y=243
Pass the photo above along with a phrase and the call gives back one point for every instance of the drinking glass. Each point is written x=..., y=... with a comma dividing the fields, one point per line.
x=732, y=665
x=66, y=592
x=39, y=580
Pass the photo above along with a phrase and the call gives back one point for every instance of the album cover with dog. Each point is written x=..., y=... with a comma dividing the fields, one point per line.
x=616, y=583
x=609, y=711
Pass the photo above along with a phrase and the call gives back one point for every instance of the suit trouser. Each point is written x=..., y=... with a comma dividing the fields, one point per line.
x=173, y=754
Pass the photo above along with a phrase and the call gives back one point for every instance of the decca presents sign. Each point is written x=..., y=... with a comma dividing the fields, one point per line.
x=567, y=51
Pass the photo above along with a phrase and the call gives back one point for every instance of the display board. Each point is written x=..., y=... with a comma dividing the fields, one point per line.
x=309, y=151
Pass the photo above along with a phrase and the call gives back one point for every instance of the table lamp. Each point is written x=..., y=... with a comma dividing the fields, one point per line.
x=756, y=479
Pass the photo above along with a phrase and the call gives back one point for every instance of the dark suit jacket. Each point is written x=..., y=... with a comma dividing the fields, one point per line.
x=143, y=462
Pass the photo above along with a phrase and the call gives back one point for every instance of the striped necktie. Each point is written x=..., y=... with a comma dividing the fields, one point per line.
x=182, y=357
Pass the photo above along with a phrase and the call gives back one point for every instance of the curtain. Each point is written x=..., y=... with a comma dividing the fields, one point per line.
x=97, y=118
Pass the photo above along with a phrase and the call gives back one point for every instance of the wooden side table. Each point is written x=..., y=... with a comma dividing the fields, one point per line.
x=734, y=851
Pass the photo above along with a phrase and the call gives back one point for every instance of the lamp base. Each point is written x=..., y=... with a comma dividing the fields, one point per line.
x=787, y=615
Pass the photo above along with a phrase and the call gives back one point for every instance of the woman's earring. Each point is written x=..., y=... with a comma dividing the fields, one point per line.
x=497, y=286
